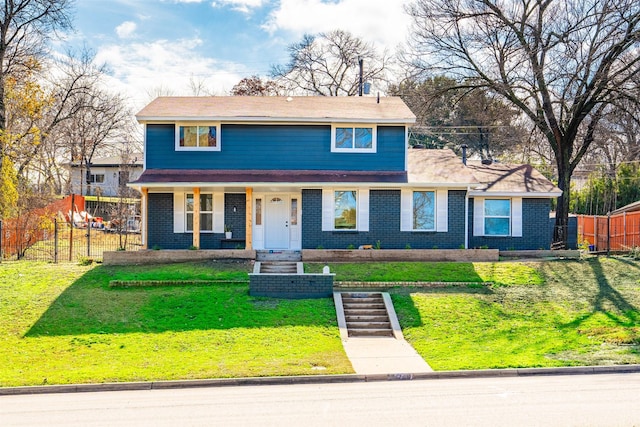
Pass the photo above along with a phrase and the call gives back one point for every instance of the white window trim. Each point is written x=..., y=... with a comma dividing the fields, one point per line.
x=186, y=212
x=180, y=212
x=374, y=138
x=209, y=124
x=362, y=210
x=441, y=210
x=515, y=216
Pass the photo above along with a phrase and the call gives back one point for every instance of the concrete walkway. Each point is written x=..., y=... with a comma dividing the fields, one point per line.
x=381, y=355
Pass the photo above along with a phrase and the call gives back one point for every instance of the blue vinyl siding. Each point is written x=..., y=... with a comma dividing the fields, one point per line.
x=275, y=147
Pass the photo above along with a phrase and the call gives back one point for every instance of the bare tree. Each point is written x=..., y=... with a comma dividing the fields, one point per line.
x=329, y=64
x=562, y=63
x=24, y=26
x=447, y=116
x=255, y=86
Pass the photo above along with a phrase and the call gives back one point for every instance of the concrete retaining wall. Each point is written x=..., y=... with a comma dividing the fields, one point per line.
x=345, y=255
x=292, y=286
x=569, y=253
x=167, y=256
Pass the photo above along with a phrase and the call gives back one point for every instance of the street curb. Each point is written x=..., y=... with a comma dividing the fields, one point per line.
x=318, y=379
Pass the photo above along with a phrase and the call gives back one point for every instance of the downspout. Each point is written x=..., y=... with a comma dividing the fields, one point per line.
x=466, y=218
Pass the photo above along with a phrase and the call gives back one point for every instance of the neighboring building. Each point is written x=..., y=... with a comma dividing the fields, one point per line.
x=323, y=172
x=106, y=176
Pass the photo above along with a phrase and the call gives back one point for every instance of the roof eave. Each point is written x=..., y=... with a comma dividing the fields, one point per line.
x=527, y=194
x=407, y=121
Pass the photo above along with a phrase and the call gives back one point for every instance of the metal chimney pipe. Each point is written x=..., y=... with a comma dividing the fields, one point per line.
x=464, y=153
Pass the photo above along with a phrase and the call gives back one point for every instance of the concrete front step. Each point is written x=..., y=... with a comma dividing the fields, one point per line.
x=366, y=315
x=281, y=256
x=279, y=267
x=366, y=318
x=368, y=325
x=370, y=333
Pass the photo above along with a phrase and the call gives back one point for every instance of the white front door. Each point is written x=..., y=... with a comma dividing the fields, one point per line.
x=276, y=233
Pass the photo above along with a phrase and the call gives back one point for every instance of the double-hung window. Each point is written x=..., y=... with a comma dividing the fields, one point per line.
x=198, y=136
x=347, y=138
x=497, y=217
x=206, y=212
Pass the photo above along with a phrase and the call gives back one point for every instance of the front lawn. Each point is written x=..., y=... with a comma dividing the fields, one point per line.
x=62, y=324
x=587, y=312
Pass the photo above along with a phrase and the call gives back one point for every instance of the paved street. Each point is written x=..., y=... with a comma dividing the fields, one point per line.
x=576, y=400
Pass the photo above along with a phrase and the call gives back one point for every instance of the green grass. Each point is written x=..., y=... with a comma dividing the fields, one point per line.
x=585, y=313
x=63, y=324
x=500, y=274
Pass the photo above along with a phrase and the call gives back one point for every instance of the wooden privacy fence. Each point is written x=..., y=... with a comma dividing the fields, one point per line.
x=619, y=232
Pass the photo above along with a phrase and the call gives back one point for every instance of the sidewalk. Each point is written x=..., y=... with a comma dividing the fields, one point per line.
x=382, y=355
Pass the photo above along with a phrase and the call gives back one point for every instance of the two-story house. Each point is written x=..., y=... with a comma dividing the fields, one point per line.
x=106, y=176
x=322, y=172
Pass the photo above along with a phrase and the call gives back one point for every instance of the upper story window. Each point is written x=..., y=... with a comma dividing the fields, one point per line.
x=347, y=138
x=198, y=136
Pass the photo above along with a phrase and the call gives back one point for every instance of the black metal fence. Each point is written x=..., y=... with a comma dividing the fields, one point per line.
x=60, y=237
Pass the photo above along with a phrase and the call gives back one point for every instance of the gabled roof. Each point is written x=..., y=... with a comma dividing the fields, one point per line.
x=314, y=109
x=503, y=179
x=438, y=167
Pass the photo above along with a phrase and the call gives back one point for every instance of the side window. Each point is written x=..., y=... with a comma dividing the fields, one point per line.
x=497, y=217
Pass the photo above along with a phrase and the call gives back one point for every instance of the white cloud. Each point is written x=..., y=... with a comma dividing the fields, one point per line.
x=244, y=6
x=140, y=70
x=126, y=29
x=383, y=22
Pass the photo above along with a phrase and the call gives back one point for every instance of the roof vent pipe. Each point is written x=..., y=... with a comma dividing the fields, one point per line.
x=464, y=153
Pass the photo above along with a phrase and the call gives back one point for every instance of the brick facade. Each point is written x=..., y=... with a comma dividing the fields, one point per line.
x=291, y=286
x=384, y=225
x=535, y=226
x=160, y=219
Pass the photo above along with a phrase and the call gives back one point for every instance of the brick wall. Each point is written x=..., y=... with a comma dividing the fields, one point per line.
x=535, y=229
x=160, y=218
x=292, y=286
x=384, y=225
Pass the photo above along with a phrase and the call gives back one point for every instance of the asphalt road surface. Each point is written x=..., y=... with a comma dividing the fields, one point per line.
x=573, y=400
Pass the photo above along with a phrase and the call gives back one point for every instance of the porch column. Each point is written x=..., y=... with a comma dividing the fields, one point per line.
x=144, y=218
x=249, y=218
x=196, y=217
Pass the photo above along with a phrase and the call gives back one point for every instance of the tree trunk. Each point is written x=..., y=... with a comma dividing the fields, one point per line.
x=560, y=230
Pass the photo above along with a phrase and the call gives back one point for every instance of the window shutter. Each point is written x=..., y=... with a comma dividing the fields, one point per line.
x=363, y=210
x=327, y=209
x=442, y=214
x=478, y=216
x=406, y=209
x=516, y=217
x=178, y=213
x=218, y=212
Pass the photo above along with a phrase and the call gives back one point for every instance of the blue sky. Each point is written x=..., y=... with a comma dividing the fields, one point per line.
x=159, y=46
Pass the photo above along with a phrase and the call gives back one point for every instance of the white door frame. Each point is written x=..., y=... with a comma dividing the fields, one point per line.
x=293, y=201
